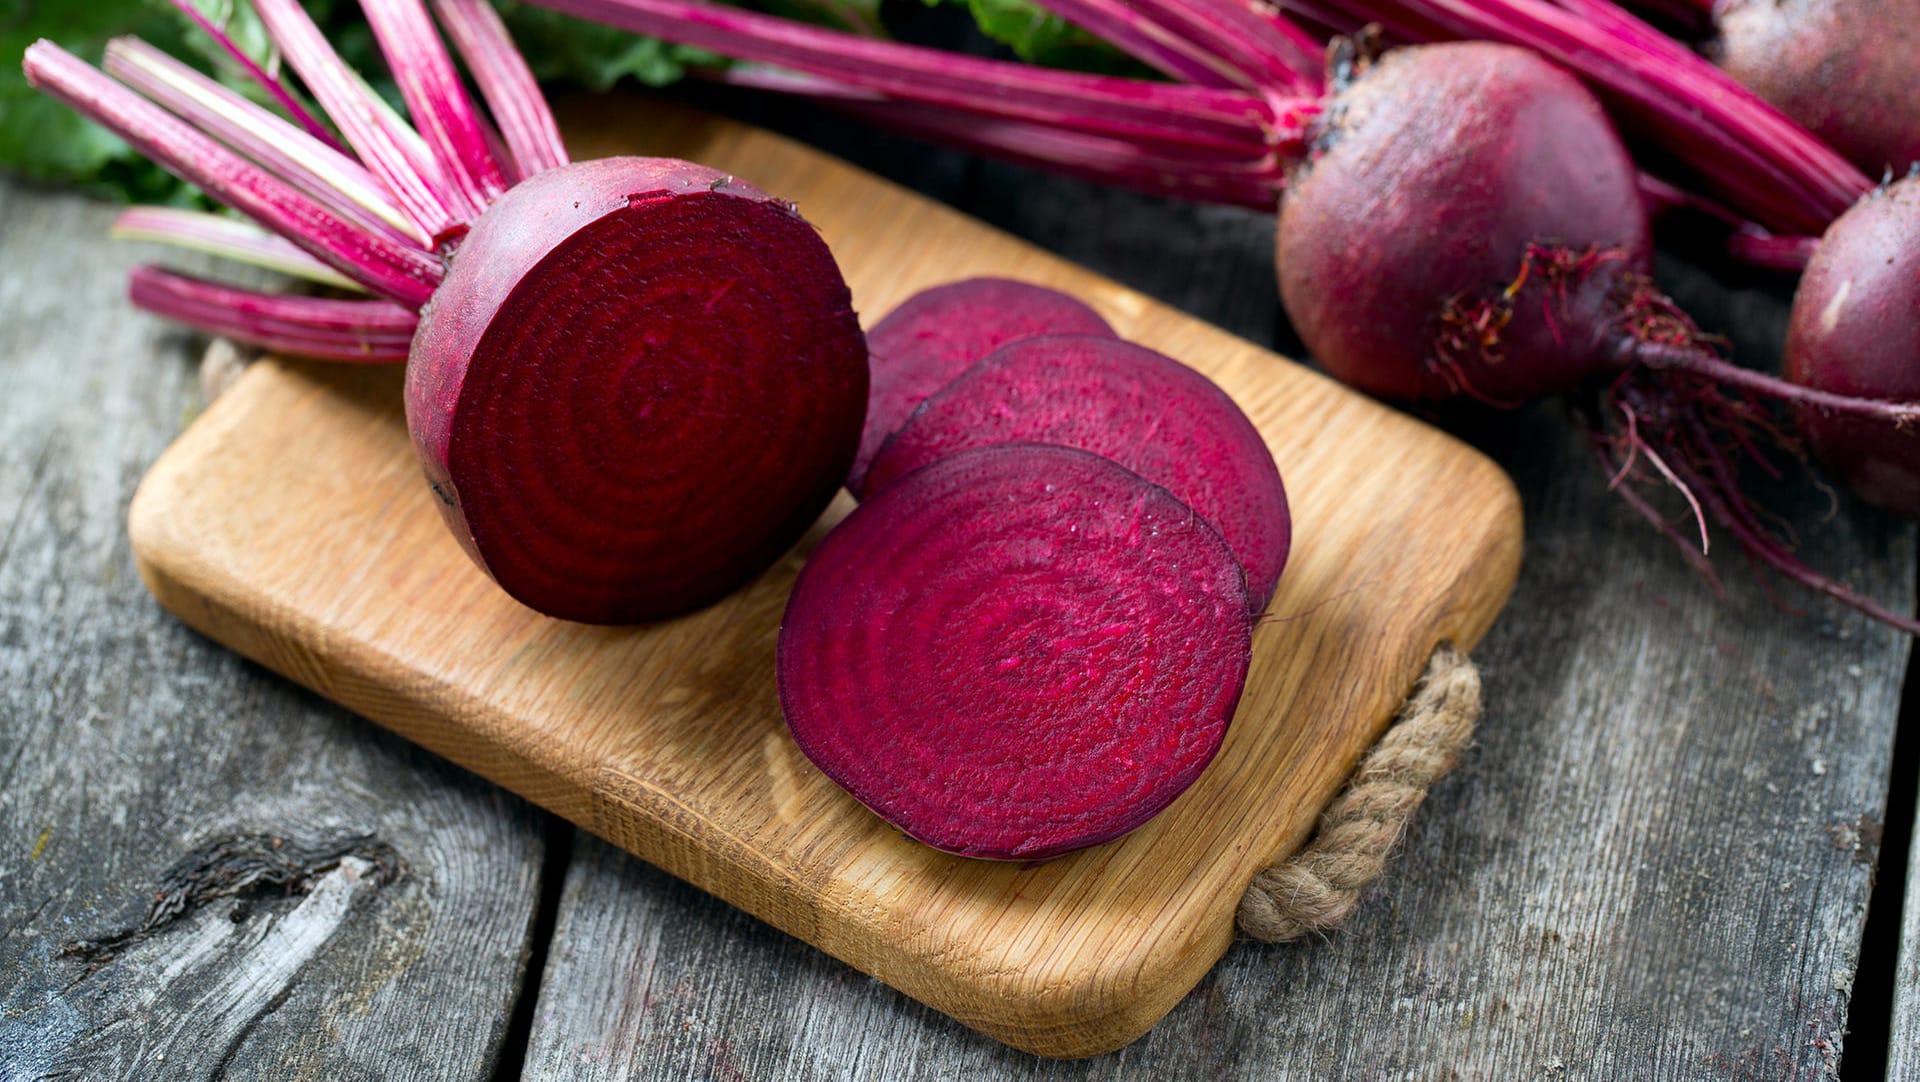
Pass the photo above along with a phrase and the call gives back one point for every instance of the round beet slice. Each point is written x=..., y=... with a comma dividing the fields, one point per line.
x=1016, y=652
x=639, y=383
x=1144, y=410
x=937, y=333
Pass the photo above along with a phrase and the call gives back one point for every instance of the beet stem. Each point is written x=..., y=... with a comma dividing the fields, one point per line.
x=1688, y=358
x=1128, y=108
x=391, y=149
x=325, y=174
x=226, y=237
x=443, y=113
x=1168, y=49
x=275, y=89
x=404, y=274
x=1252, y=182
x=340, y=330
x=1763, y=249
x=1259, y=53
x=526, y=124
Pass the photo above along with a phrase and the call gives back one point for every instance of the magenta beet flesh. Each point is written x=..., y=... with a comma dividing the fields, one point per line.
x=937, y=333
x=1146, y=411
x=1443, y=177
x=639, y=383
x=1856, y=330
x=1016, y=652
x=1844, y=69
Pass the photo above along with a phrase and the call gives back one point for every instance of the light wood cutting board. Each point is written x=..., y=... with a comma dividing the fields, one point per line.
x=291, y=523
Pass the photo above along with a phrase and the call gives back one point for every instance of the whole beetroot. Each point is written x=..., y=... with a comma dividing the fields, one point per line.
x=1855, y=330
x=1467, y=222
x=1849, y=70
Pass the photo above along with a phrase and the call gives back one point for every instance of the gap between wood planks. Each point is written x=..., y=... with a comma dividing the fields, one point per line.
x=546, y=914
x=1870, y=1012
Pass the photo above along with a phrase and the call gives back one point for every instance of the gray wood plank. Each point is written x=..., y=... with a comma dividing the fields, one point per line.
x=387, y=929
x=1655, y=863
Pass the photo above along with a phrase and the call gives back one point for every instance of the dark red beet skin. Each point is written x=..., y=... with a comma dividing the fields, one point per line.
x=1437, y=178
x=1016, y=652
x=938, y=333
x=1856, y=330
x=639, y=383
x=1845, y=69
x=1146, y=411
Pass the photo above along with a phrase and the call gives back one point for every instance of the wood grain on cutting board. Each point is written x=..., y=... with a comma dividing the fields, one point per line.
x=291, y=522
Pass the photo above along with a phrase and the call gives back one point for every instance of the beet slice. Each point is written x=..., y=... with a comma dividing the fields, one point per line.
x=639, y=383
x=937, y=333
x=1016, y=652
x=1144, y=410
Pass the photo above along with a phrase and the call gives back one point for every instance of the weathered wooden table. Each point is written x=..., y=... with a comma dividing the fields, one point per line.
x=1657, y=862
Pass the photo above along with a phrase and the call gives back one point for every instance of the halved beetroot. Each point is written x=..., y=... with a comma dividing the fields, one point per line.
x=640, y=382
x=1016, y=652
x=937, y=333
x=1144, y=410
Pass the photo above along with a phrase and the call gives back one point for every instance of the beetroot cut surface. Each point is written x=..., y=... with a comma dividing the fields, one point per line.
x=937, y=333
x=1146, y=411
x=639, y=383
x=1016, y=652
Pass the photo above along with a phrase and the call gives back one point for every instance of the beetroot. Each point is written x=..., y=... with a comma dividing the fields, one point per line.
x=632, y=382
x=1847, y=69
x=935, y=334
x=1148, y=412
x=1468, y=223
x=640, y=381
x=1856, y=331
x=1016, y=652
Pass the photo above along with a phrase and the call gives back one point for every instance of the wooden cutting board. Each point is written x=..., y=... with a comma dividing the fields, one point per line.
x=291, y=523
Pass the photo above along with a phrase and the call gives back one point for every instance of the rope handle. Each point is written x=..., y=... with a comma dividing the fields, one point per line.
x=1318, y=888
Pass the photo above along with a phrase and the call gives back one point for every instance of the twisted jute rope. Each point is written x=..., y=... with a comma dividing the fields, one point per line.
x=1318, y=888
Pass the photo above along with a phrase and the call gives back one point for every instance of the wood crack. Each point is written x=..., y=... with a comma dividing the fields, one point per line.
x=247, y=865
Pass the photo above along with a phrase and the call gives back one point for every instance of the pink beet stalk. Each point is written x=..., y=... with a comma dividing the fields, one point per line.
x=1206, y=44
x=1200, y=117
x=274, y=87
x=407, y=275
x=390, y=150
x=526, y=124
x=229, y=238
x=1171, y=52
x=438, y=101
x=336, y=330
x=325, y=174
